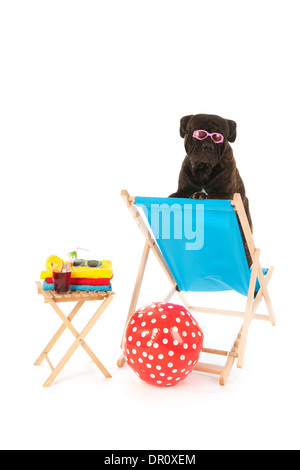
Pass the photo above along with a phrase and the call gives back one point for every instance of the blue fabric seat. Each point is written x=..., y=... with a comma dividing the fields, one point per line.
x=201, y=243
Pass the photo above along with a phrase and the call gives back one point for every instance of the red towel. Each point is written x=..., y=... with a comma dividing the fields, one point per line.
x=85, y=281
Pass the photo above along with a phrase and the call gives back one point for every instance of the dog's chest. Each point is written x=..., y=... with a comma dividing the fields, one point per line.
x=203, y=191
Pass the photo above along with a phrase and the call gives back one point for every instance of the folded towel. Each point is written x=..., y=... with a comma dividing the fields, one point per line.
x=86, y=281
x=47, y=286
x=103, y=272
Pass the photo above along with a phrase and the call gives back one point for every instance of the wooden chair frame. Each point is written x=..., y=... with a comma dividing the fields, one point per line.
x=239, y=346
x=52, y=298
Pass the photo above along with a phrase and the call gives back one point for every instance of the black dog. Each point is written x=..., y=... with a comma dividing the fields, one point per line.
x=209, y=169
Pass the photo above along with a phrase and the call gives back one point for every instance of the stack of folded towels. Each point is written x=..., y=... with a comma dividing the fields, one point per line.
x=84, y=278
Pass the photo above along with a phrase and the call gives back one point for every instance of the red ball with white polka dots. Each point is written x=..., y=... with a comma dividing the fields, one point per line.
x=162, y=343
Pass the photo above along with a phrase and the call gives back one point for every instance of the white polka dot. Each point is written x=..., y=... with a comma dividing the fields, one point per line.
x=137, y=374
x=149, y=344
x=158, y=381
x=132, y=322
x=165, y=341
x=155, y=330
x=133, y=351
x=199, y=333
x=134, y=329
x=182, y=357
x=138, y=343
x=150, y=313
x=185, y=345
x=178, y=378
x=158, y=367
x=174, y=371
x=171, y=353
x=162, y=374
x=189, y=363
x=156, y=345
x=132, y=361
x=160, y=309
x=150, y=357
x=182, y=370
x=144, y=354
x=149, y=366
x=168, y=385
x=184, y=333
x=165, y=330
x=178, y=320
x=175, y=342
x=160, y=356
x=175, y=328
x=170, y=378
x=194, y=323
x=153, y=320
x=186, y=372
x=130, y=338
x=187, y=323
x=170, y=306
x=193, y=334
x=141, y=360
x=194, y=346
x=140, y=315
x=143, y=323
x=152, y=376
x=164, y=317
x=182, y=313
x=144, y=333
x=170, y=364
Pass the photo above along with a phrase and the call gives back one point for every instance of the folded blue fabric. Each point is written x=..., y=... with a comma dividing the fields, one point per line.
x=79, y=287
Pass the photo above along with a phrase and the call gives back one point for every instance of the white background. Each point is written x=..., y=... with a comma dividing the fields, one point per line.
x=92, y=93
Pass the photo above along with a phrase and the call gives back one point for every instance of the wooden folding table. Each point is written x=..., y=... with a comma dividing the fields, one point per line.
x=80, y=297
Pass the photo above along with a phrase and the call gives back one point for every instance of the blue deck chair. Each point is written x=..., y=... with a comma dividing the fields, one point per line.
x=199, y=245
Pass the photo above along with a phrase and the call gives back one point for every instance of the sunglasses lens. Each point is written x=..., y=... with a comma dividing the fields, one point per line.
x=93, y=264
x=200, y=134
x=78, y=262
x=217, y=137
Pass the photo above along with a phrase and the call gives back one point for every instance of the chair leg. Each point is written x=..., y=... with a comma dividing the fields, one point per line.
x=135, y=295
x=230, y=361
x=137, y=287
x=248, y=312
x=226, y=370
x=121, y=361
x=263, y=283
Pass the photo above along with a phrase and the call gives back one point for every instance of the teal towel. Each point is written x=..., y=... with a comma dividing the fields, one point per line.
x=77, y=287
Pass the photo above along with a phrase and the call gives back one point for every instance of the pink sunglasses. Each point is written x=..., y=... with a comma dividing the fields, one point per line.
x=201, y=135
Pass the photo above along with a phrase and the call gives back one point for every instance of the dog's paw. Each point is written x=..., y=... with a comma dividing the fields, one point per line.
x=199, y=195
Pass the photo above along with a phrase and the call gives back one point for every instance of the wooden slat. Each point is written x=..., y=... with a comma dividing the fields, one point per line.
x=73, y=296
x=216, y=311
x=208, y=368
x=219, y=352
x=49, y=362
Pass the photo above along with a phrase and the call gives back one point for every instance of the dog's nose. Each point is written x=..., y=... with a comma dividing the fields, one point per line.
x=208, y=147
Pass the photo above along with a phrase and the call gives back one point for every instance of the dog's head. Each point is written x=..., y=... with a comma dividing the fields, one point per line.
x=206, y=147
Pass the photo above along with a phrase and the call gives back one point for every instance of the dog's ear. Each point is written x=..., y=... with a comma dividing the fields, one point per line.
x=232, y=130
x=183, y=124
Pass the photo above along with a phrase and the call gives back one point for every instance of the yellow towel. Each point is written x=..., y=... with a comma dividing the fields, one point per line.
x=80, y=272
